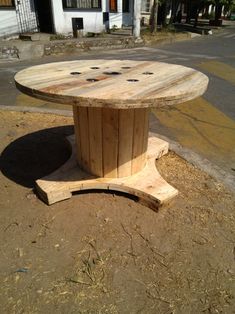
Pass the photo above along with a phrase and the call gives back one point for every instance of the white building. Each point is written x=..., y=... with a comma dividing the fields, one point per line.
x=64, y=16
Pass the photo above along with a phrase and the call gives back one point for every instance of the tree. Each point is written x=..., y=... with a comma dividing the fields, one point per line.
x=159, y=13
x=174, y=8
x=136, y=18
x=154, y=16
x=163, y=10
x=219, y=4
x=194, y=7
x=229, y=7
x=218, y=9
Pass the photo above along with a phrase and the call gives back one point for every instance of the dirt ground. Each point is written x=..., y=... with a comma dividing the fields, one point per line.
x=106, y=253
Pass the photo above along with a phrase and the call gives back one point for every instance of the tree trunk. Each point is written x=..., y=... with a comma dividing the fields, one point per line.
x=155, y=14
x=162, y=13
x=136, y=18
x=196, y=18
x=189, y=13
x=174, y=9
x=218, y=10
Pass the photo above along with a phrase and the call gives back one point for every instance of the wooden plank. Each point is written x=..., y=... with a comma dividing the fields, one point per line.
x=147, y=185
x=126, y=127
x=77, y=134
x=84, y=137
x=146, y=132
x=110, y=142
x=95, y=135
x=139, y=140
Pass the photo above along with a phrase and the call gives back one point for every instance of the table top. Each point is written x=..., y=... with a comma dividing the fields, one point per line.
x=112, y=83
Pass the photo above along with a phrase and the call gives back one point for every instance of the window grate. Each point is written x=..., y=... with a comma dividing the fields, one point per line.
x=82, y=4
x=26, y=16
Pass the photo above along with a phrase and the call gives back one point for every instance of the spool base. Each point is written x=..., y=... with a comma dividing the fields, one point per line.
x=147, y=185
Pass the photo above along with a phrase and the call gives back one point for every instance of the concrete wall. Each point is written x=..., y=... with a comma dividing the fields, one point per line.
x=8, y=23
x=92, y=20
x=62, y=19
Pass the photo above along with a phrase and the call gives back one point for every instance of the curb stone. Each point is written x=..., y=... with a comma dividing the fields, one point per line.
x=25, y=50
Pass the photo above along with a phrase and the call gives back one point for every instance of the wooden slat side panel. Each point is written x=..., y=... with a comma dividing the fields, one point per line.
x=77, y=134
x=84, y=137
x=95, y=134
x=110, y=142
x=139, y=140
x=126, y=125
x=146, y=134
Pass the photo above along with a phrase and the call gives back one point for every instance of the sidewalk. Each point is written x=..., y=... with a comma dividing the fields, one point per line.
x=26, y=49
x=105, y=252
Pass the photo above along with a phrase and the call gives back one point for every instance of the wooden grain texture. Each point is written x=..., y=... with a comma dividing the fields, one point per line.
x=77, y=134
x=84, y=138
x=126, y=130
x=147, y=185
x=133, y=84
x=110, y=142
x=95, y=141
x=140, y=139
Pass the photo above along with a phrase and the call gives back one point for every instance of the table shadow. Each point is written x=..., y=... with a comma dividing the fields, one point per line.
x=36, y=155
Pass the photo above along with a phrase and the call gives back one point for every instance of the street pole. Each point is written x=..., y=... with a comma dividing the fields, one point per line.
x=136, y=19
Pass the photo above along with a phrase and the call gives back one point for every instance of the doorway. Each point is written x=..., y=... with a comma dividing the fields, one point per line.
x=44, y=15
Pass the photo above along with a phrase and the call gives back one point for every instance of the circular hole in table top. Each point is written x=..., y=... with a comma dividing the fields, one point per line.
x=133, y=80
x=112, y=73
x=126, y=67
x=75, y=73
x=94, y=68
x=147, y=73
x=92, y=80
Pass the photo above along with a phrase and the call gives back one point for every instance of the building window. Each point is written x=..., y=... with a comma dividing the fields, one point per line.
x=113, y=5
x=125, y=6
x=82, y=4
x=145, y=6
x=7, y=3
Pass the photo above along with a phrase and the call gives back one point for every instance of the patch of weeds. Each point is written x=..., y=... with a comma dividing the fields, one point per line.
x=89, y=268
x=59, y=37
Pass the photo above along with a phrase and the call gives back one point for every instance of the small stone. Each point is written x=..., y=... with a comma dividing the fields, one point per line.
x=107, y=219
x=30, y=196
x=17, y=277
x=20, y=252
x=12, y=133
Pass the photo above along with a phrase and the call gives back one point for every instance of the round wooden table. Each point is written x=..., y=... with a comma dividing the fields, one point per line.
x=111, y=100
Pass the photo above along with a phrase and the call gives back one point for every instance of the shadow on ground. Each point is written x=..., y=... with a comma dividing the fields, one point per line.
x=35, y=155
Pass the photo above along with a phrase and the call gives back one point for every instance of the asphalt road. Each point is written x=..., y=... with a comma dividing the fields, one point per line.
x=205, y=125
